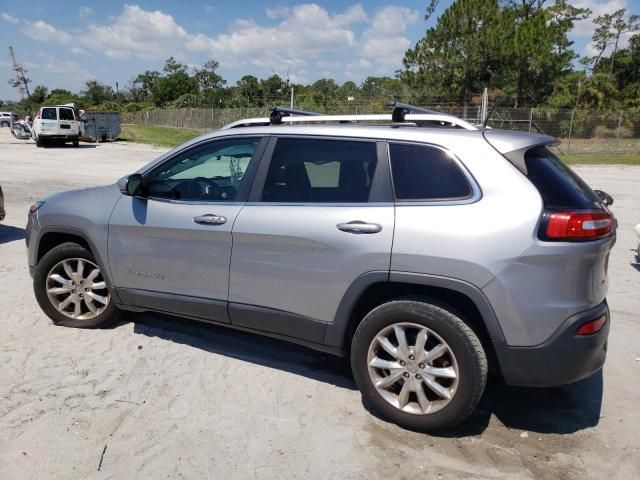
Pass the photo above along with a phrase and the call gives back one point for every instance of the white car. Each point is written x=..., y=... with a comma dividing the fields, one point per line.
x=7, y=118
x=56, y=124
x=638, y=233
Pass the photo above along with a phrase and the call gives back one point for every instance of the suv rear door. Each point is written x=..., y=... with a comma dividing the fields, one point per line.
x=67, y=123
x=48, y=121
x=319, y=216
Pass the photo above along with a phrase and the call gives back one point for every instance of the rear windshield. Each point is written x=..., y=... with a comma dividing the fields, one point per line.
x=66, y=114
x=49, y=114
x=559, y=186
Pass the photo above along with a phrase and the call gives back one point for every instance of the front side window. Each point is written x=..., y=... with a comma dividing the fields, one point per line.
x=210, y=173
x=49, y=114
x=426, y=173
x=320, y=171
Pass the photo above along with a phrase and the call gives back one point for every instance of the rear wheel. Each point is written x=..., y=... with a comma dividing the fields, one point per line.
x=39, y=142
x=72, y=290
x=418, y=364
x=76, y=143
x=5, y=124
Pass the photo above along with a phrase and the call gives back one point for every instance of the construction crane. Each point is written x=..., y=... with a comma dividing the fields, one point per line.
x=20, y=81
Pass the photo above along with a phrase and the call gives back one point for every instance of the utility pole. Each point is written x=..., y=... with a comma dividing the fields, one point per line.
x=19, y=81
x=291, y=103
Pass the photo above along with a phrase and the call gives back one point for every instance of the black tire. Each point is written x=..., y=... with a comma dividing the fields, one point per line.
x=76, y=143
x=48, y=261
x=39, y=142
x=5, y=124
x=465, y=345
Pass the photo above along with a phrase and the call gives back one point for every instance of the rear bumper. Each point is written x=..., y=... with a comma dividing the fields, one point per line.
x=563, y=358
x=68, y=138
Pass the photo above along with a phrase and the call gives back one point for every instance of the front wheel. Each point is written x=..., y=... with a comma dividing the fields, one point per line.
x=418, y=364
x=72, y=290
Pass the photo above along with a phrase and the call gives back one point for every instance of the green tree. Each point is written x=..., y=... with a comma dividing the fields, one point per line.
x=38, y=94
x=249, y=92
x=174, y=84
x=207, y=78
x=97, y=93
x=461, y=53
x=144, y=84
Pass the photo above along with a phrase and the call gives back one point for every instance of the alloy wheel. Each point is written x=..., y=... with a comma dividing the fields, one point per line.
x=413, y=368
x=77, y=289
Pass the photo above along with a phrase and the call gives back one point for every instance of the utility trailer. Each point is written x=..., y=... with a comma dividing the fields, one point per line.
x=100, y=126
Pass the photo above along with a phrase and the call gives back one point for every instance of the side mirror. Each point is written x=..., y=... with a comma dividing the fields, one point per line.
x=131, y=185
x=605, y=197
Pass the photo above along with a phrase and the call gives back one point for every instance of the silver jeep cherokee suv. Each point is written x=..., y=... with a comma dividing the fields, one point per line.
x=426, y=249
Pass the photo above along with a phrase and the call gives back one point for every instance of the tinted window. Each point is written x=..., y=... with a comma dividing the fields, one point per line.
x=211, y=172
x=426, y=173
x=49, y=114
x=66, y=114
x=558, y=185
x=308, y=170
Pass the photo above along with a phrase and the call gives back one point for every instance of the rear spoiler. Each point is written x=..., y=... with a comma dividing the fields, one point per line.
x=513, y=145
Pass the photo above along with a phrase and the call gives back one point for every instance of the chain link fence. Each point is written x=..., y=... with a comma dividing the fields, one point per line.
x=579, y=131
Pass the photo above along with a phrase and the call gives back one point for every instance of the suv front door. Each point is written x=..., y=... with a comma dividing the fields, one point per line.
x=170, y=248
x=319, y=216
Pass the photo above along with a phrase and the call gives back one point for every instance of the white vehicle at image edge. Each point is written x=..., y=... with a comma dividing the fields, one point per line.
x=56, y=124
x=7, y=118
x=637, y=229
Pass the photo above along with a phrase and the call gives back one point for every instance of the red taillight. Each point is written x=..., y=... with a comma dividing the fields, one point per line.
x=592, y=326
x=578, y=225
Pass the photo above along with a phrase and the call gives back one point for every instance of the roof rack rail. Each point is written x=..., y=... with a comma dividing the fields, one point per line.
x=278, y=113
x=402, y=115
x=400, y=110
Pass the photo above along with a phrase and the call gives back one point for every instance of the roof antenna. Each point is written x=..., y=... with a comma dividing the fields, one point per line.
x=493, y=109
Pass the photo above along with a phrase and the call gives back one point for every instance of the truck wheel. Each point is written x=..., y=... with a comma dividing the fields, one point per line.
x=39, y=142
x=71, y=289
x=5, y=124
x=76, y=143
x=418, y=364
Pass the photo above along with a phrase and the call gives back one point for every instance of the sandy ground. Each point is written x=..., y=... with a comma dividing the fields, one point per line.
x=174, y=399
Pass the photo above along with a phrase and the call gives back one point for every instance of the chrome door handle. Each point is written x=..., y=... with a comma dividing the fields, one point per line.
x=210, y=219
x=359, y=227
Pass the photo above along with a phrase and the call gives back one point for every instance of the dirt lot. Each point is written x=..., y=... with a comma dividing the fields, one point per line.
x=174, y=399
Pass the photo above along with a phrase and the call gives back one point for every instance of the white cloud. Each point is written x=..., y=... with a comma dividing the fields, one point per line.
x=583, y=30
x=586, y=27
x=140, y=33
x=43, y=32
x=304, y=39
x=277, y=12
x=8, y=18
x=85, y=12
x=384, y=42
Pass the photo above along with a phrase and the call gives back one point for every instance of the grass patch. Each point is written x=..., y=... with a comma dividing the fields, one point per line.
x=602, y=159
x=159, y=136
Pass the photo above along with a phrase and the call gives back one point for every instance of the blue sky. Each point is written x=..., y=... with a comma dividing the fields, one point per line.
x=64, y=44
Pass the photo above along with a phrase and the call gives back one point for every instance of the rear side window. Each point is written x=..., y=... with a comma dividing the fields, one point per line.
x=66, y=114
x=319, y=171
x=426, y=173
x=559, y=186
x=49, y=114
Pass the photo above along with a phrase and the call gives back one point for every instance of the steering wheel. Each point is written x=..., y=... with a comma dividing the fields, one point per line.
x=202, y=188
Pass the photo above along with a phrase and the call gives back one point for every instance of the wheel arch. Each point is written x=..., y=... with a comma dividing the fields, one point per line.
x=375, y=288
x=51, y=237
